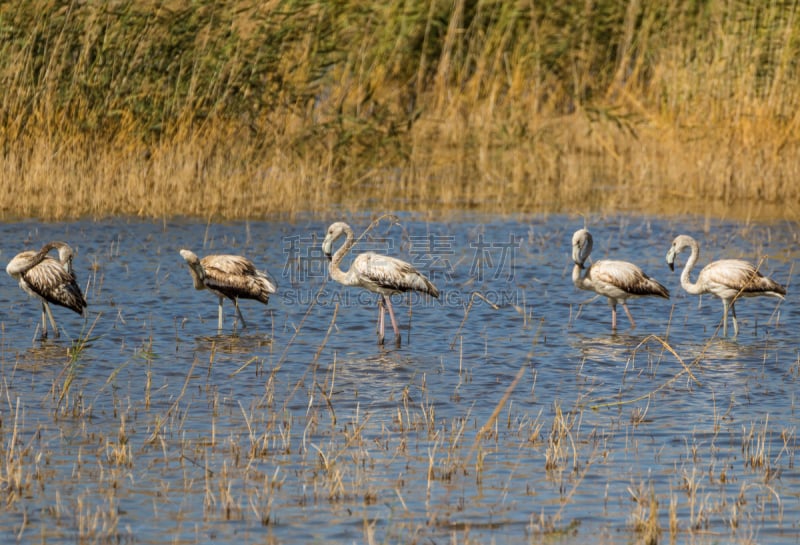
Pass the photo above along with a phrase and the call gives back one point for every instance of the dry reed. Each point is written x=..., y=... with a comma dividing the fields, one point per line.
x=244, y=108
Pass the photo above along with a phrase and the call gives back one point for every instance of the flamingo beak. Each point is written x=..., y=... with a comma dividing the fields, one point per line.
x=327, y=247
x=671, y=259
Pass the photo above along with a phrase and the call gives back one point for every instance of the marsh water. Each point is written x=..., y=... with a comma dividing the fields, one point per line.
x=510, y=413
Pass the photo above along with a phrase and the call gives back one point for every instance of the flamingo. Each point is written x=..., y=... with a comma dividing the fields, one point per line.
x=50, y=280
x=231, y=276
x=377, y=273
x=617, y=280
x=728, y=279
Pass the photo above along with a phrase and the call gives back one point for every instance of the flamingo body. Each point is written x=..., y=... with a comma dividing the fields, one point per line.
x=377, y=273
x=50, y=280
x=616, y=280
x=728, y=279
x=231, y=276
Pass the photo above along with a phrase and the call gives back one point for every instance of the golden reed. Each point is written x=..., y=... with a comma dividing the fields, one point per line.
x=244, y=109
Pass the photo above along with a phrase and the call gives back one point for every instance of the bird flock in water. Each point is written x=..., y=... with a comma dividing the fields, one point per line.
x=52, y=280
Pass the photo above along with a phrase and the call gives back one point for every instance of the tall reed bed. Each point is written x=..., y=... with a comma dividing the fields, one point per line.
x=245, y=108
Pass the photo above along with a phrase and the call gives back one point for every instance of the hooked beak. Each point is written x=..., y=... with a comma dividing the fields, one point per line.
x=327, y=248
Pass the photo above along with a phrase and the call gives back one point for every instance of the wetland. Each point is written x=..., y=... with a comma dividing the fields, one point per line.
x=509, y=414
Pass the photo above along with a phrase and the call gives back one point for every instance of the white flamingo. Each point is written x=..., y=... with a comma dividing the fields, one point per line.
x=48, y=279
x=728, y=279
x=617, y=280
x=231, y=276
x=377, y=273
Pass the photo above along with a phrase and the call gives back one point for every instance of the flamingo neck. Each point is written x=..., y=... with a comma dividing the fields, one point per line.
x=336, y=273
x=18, y=267
x=577, y=279
x=687, y=284
x=198, y=275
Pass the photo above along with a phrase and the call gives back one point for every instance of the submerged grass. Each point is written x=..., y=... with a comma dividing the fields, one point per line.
x=247, y=108
x=252, y=459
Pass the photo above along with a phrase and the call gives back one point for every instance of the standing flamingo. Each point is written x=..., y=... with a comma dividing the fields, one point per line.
x=231, y=276
x=50, y=280
x=377, y=273
x=728, y=279
x=617, y=280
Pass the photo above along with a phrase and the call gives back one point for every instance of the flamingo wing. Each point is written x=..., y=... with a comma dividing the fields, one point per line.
x=621, y=279
x=386, y=273
x=236, y=276
x=738, y=277
x=50, y=281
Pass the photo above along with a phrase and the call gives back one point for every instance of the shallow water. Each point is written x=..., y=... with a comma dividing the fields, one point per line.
x=301, y=428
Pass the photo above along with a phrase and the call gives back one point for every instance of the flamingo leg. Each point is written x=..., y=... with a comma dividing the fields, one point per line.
x=391, y=315
x=46, y=310
x=630, y=317
x=613, y=315
x=381, y=318
x=239, y=312
x=735, y=323
x=725, y=307
x=219, y=315
x=44, y=322
x=410, y=301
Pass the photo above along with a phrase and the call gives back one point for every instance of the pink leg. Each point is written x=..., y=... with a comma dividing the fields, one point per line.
x=381, y=319
x=391, y=315
x=613, y=316
x=630, y=317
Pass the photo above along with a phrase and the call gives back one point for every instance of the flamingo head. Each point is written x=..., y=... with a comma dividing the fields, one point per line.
x=581, y=246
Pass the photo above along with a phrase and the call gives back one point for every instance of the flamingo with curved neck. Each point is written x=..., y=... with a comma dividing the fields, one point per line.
x=231, y=276
x=728, y=279
x=616, y=280
x=48, y=279
x=377, y=273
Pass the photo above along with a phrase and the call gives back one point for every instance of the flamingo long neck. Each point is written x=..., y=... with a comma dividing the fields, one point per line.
x=577, y=279
x=687, y=285
x=336, y=273
x=19, y=267
x=198, y=275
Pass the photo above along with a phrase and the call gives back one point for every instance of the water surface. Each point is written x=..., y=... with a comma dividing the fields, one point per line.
x=301, y=428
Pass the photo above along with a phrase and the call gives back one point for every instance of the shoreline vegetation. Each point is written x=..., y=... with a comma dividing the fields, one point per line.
x=244, y=109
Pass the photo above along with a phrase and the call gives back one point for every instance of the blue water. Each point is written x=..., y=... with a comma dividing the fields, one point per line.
x=302, y=429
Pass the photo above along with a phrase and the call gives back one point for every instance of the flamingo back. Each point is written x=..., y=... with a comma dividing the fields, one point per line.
x=51, y=281
x=622, y=280
x=236, y=276
x=386, y=274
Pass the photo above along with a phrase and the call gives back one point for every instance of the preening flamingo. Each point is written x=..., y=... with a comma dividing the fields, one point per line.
x=50, y=280
x=728, y=279
x=231, y=276
x=377, y=273
x=617, y=280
